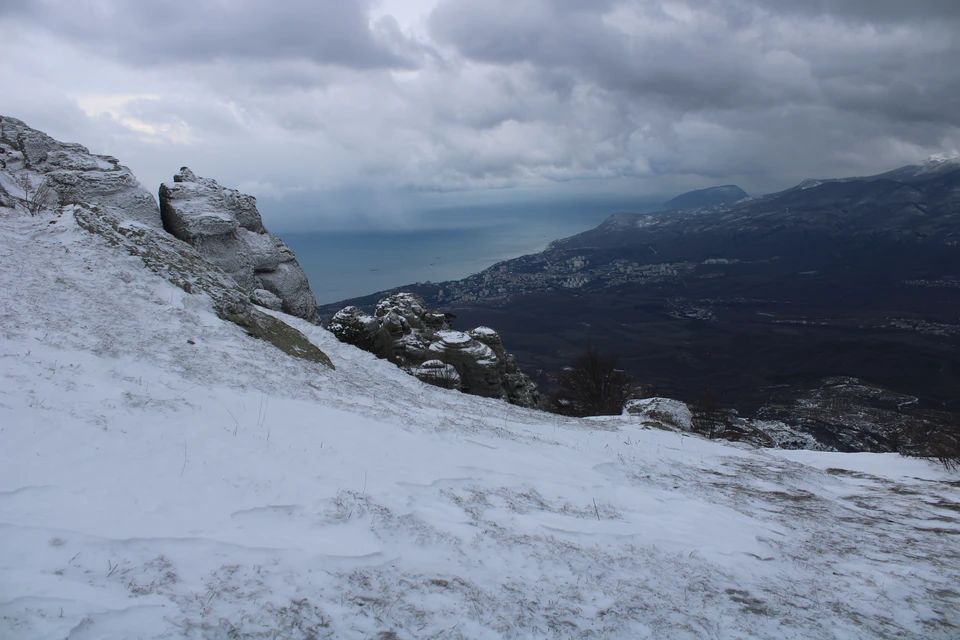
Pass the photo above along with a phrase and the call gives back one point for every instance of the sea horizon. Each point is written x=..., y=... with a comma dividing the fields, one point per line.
x=346, y=264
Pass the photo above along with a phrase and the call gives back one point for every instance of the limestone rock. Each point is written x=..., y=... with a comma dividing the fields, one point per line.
x=225, y=227
x=423, y=343
x=438, y=373
x=662, y=411
x=32, y=163
x=353, y=326
x=183, y=266
x=264, y=298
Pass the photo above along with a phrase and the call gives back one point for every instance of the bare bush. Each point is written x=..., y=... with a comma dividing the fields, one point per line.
x=35, y=198
x=445, y=378
x=937, y=438
x=708, y=418
x=594, y=386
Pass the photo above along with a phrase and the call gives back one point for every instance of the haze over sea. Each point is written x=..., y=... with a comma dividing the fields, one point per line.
x=448, y=245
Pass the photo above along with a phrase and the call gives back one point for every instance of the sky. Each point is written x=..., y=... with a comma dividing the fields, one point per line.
x=350, y=114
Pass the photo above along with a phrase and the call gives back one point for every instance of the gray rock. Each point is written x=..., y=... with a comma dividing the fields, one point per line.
x=439, y=374
x=264, y=298
x=224, y=225
x=423, y=343
x=183, y=266
x=30, y=159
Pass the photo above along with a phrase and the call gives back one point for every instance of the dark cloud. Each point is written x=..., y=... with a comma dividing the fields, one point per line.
x=868, y=11
x=146, y=32
x=464, y=97
x=725, y=55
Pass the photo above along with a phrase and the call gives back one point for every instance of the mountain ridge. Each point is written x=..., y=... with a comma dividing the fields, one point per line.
x=709, y=197
x=848, y=278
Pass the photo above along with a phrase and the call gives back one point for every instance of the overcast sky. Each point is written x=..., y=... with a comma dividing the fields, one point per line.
x=339, y=112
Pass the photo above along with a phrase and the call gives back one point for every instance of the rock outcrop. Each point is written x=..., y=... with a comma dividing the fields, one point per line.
x=39, y=173
x=423, y=343
x=674, y=415
x=42, y=176
x=183, y=266
x=224, y=226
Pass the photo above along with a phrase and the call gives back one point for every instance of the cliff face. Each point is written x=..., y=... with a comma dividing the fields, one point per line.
x=423, y=343
x=225, y=227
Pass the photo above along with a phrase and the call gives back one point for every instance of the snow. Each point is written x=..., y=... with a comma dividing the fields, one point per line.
x=665, y=411
x=454, y=338
x=154, y=488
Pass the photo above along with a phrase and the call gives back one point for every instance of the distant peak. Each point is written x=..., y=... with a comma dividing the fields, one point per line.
x=951, y=157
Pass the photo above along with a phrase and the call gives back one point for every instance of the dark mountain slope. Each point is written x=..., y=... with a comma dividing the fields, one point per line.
x=706, y=197
x=757, y=300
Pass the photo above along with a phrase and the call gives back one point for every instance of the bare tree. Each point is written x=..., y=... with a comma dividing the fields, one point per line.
x=35, y=199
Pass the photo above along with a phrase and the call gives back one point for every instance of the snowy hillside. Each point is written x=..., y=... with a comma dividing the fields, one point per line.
x=163, y=475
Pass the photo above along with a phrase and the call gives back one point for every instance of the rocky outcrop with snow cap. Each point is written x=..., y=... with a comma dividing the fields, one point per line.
x=39, y=173
x=225, y=227
x=42, y=177
x=422, y=342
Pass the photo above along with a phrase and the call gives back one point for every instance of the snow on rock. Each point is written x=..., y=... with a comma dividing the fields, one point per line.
x=457, y=340
x=185, y=268
x=484, y=333
x=437, y=372
x=33, y=164
x=224, y=225
x=660, y=411
x=405, y=332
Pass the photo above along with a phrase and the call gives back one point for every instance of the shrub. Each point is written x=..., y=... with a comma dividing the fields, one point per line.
x=594, y=386
x=35, y=199
x=707, y=417
x=937, y=438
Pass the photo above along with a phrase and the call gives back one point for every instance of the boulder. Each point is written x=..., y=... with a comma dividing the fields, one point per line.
x=353, y=326
x=32, y=163
x=439, y=374
x=661, y=411
x=225, y=227
x=423, y=343
x=264, y=298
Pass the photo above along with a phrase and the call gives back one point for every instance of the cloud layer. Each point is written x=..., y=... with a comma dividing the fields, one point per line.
x=407, y=98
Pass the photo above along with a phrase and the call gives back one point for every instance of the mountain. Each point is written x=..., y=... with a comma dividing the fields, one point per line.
x=706, y=197
x=764, y=300
x=165, y=474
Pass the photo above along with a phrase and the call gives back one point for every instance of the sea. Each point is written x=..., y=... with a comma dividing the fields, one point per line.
x=348, y=264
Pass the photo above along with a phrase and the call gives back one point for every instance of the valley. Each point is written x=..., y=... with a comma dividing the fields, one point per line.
x=757, y=300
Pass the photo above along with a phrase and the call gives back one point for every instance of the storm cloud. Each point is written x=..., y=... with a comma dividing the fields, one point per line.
x=418, y=99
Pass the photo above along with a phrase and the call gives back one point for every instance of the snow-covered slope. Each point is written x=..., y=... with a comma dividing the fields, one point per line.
x=163, y=475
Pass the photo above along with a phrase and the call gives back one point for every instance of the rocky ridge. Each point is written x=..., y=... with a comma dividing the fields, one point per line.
x=225, y=227
x=424, y=344
x=38, y=172
x=42, y=176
